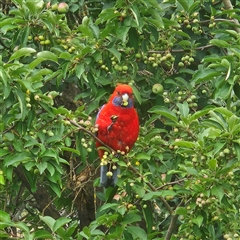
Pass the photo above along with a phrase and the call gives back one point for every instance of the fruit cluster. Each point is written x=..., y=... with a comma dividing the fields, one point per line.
x=190, y=21
x=61, y=7
x=180, y=97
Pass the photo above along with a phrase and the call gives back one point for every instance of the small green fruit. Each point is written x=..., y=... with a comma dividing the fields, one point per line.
x=54, y=7
x=109, y=174
x=157, y=88
x=63, y=7
x=41, y=38
x=125, y=68
x=47, y=42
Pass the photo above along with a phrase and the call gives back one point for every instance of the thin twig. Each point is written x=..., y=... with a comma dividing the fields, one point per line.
x=171, y=183
x=183, y=50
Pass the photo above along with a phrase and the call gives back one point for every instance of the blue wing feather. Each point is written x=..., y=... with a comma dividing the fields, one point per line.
x=100, y=111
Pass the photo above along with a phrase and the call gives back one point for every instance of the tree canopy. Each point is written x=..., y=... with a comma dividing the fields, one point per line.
x=60, y=62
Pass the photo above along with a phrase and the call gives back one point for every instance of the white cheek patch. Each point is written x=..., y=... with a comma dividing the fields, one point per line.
x=125, y=98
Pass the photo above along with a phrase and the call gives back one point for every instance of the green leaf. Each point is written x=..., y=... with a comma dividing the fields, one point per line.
x=182, y=211
x=198, y=220
x=155, y=4
x=22, y=52
x=49, y=221
x=4, y=217
x=71, y=228
x=219, y=43
x=182, y=4
x=163, y=193
x=185, y=144
x=164, y=112
x=136, y=14
x=22, y=226
x=42, y=234
x=192, y=171
x=3, y=76
x=223, y=111
x=60, y=222
x=42, y=166
x=115, y=53
x=204, y=75
x=131, y=218
x=47, y=55
x=108, y=206
x=142, y=156
x=137, y=94
x=218, y=192
x=17, y=159
x=71, y=150
x=86, y=30
x=122, y=33
x=80, y=68
x=212, y=163
x=183, y=108
x=137, y=232
x=22, y=103
x=26, y=84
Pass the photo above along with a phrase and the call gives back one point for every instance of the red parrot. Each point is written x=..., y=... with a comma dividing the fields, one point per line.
x=118, y=127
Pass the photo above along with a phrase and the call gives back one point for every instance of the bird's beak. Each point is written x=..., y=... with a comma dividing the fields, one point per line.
x=125, y=98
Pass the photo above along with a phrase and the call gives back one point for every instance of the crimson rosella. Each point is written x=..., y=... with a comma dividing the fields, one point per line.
x=118, y=127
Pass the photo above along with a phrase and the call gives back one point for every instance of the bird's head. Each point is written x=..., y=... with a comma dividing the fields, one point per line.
x=122, y=96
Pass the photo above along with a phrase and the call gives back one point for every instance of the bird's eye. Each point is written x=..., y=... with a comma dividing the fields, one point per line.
x=118, y=93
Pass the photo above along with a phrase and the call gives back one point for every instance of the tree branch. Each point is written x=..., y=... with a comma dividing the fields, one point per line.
x=165, y=203
x=228, y=5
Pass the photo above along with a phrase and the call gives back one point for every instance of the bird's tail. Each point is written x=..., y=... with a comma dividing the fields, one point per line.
x=106, y=181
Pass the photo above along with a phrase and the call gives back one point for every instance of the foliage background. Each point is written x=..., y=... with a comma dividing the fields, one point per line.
x=57, y=69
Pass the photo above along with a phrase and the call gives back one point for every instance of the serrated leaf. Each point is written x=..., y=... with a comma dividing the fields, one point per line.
x=22, y=52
